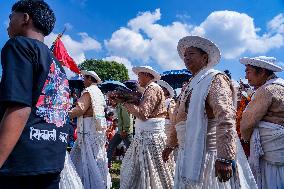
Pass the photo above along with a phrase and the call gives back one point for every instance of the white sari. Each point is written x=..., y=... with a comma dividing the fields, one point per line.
x=142, y=166
x=89, y=153
x=267, y=155
x=69, y=177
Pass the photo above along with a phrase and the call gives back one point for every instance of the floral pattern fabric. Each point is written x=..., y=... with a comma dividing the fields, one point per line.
x=53, y=103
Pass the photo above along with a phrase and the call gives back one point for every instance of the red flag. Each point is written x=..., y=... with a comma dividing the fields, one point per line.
x=62, y=55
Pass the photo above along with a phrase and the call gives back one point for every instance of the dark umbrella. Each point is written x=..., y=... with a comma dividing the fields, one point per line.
x=131, y=84
x=111, y=86
x=176, y=77
x=76, y=82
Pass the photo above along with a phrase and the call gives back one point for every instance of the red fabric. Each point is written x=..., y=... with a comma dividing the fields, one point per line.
x=75, y=134
x=110, y=132
x=241, y=107
x=62, y=55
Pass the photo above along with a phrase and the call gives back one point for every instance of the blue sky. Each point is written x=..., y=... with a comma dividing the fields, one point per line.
x=146, y=32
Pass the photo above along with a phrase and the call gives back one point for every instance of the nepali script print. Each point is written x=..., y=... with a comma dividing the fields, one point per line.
x=53, y=104
x=38, y=134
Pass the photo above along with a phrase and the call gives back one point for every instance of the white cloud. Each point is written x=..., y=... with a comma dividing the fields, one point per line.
x=144, y=20
x=76, y=49
x=144, y=40
x=277, y=23
x=69, y=73
x=183, y=17
x=127, y=43
x=126, y=63
x=235, y=33
x=68, y=26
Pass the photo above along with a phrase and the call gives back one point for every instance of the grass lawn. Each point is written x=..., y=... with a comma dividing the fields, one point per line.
x=115, y=174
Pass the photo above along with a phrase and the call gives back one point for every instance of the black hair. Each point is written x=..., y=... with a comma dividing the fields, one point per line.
x=151, y=76
x=42, y=15
x=228, y=73
x=259, y=69
x=167, y=92
x=110, y=114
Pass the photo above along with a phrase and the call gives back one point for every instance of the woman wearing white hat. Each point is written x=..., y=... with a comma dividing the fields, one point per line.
x=169, y=103
x=262, y=121
x=89, y=154
x=142, y=166
x=205, y=124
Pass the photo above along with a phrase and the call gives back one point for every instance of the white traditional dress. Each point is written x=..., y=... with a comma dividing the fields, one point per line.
x=204, y=134
x=265, y=114
x=142, y=166
x=69, y=177
x=89, y=153
x=170, y=105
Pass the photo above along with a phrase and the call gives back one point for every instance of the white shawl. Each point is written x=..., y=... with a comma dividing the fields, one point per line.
x=98, y=105
x=196, y=126
x=258, y=147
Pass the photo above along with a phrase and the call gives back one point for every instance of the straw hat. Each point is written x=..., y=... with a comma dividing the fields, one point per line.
x=147, y=69
x=206, y=45
x=167, y=86
x=268, y=63
x=92, y=74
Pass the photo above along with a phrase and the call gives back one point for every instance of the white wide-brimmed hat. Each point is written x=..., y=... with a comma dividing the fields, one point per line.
x=206, y=45
x=268, y=63
x=92, y=74
x=147, y=69
x=167, y=86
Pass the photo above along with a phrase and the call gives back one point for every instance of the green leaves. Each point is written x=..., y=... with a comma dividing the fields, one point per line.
x=107, y=70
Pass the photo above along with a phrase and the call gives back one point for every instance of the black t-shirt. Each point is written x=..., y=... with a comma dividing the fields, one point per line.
x=33, y=77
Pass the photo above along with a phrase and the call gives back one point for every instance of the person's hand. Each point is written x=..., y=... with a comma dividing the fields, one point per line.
x=166, y=153
x=223, y=171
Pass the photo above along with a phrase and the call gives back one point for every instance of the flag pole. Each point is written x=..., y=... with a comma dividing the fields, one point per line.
x=62, y=33
x=58, y=37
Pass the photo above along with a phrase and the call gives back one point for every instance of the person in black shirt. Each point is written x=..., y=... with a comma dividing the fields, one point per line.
x=34, y=99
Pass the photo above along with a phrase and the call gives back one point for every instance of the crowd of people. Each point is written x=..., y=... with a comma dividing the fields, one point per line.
x=212, y=135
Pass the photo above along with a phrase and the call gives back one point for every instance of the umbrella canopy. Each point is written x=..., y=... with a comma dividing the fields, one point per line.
x=131, y=84
x=176, y=77
x=111, y=86
x=76, y=82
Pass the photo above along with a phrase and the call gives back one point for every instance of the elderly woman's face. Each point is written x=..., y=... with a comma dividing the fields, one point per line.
x=255, y=79
x=194, y=59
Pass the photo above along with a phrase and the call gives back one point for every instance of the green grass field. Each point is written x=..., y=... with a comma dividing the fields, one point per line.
x=115, y=172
